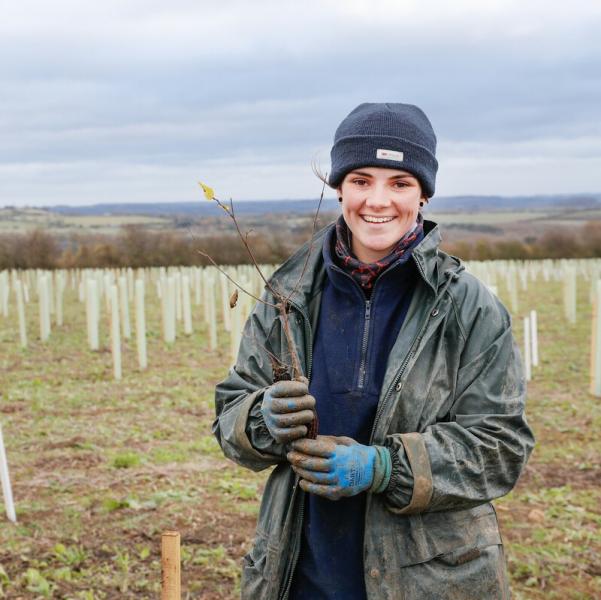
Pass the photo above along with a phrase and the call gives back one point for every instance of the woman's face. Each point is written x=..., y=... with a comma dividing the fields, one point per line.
x=379, y=206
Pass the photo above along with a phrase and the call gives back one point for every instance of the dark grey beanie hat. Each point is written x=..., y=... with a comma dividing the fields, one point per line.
x=392, y=135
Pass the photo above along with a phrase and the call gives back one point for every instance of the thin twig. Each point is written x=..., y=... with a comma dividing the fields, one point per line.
x=310, y=245
x=235, y=282
x=202, y=253
x=232, y=215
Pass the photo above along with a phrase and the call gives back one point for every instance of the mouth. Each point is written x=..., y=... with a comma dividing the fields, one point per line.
x=377, y=220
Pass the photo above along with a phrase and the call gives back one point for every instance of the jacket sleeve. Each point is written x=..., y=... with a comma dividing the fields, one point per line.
x=479, y=454
x=238, y=425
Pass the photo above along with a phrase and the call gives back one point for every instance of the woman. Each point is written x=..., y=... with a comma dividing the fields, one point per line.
x=416, y=382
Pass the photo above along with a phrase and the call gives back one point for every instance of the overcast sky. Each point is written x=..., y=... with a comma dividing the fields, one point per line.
x=136, y=100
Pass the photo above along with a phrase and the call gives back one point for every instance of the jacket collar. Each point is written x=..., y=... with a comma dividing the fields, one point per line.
x=286, y=278
x=433, y=266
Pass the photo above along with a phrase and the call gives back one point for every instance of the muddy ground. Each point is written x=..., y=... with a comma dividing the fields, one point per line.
x=100, y=468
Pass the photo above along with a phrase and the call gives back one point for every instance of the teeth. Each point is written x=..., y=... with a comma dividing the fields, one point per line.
x=377, y=219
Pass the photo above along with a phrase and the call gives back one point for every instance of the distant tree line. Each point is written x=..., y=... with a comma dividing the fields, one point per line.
x=135, y=246
x=581, y=242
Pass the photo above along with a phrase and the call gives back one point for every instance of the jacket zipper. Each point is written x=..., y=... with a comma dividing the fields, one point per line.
x=414, y=345
x=362, y=364
x=399, y=375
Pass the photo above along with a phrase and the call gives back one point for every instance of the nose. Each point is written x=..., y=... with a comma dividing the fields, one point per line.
x=377, y=197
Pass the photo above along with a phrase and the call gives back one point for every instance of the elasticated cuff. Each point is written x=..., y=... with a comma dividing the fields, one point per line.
x=382, y=470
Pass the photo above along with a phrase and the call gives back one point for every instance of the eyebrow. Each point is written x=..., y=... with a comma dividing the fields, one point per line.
x=401, y=176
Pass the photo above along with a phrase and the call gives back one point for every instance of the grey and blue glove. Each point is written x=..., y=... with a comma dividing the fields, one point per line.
x=287, y=410
x=336, y=467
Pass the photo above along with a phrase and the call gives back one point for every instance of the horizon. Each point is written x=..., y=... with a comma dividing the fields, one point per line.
x=596, y=196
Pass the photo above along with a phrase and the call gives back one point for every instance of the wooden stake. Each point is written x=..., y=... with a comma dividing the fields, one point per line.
x=170, y=566
x=6, y=489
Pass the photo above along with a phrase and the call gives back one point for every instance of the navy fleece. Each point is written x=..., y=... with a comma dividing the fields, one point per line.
x=352, y=342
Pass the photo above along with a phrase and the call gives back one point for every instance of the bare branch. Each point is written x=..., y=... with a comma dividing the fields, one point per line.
x=244, y=239
x=312, y=237
x=235, y=282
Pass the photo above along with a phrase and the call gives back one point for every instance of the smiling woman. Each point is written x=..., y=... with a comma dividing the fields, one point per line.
x=380, y=206
x=413, y=374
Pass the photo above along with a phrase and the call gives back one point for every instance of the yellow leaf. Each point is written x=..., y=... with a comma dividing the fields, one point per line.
x=209, y=193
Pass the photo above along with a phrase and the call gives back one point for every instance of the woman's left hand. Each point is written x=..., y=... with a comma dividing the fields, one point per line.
x=333, y=467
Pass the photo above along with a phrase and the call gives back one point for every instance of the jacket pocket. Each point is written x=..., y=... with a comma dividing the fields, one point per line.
x=455, y=534
x=475, y=574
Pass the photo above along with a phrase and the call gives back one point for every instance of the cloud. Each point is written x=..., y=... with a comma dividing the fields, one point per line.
x=146, y=93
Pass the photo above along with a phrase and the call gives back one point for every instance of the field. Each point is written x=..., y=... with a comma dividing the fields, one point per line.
x=100, y=468
x=485, y=222
x=20, y=220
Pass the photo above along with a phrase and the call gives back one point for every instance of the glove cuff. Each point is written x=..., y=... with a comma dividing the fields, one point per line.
x=382, y=470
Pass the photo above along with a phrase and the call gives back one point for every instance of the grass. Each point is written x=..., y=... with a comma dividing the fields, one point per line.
x=100, y=468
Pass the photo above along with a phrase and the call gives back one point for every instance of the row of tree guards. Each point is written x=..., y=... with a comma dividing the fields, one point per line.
x=518, y=275
x=200, y=297
x=188, y=297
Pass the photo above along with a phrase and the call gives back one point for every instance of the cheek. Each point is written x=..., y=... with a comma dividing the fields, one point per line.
x=408, y=209
x=350, y=208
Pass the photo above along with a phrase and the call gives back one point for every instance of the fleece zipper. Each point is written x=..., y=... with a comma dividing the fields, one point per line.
x=363, y=363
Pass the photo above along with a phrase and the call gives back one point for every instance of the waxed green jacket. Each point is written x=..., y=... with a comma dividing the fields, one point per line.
x=453, y=395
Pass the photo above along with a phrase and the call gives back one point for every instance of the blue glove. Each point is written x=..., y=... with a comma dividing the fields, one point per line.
x=337, y=467
x=287, y=410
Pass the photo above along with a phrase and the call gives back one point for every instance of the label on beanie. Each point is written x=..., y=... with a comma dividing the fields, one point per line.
x=389, y=154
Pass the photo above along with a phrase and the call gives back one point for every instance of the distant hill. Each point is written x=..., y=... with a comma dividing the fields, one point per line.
x=250, y=207
x=198, y=209
x=515, y=203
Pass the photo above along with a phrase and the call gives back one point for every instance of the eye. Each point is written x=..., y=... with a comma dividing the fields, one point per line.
x=401, y=184
x=359, y=181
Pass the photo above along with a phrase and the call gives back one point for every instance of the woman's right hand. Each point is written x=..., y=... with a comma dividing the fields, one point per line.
x=287, y=410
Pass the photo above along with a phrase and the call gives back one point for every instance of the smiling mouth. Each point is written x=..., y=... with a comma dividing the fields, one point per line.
x=372, y=219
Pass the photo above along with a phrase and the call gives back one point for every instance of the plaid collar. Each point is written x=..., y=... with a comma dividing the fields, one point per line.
x=365, y=274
